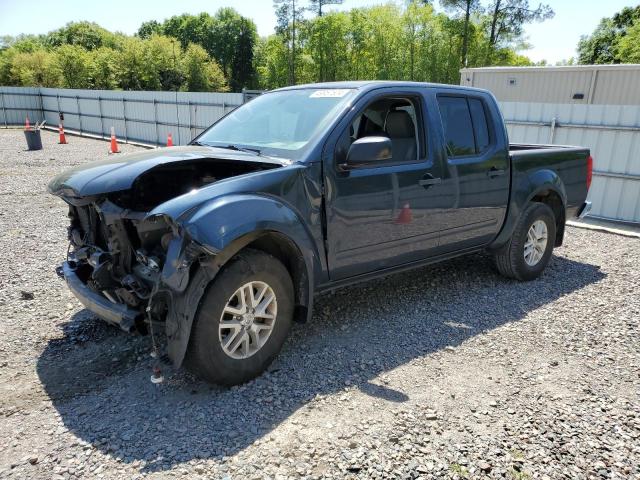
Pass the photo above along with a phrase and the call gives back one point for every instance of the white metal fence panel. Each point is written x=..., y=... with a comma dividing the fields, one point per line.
x=612, y=132
x=146, y=117
x=16, y=103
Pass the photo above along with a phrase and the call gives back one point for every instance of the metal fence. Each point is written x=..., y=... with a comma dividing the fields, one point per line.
x=612, y=132
x=142, y=117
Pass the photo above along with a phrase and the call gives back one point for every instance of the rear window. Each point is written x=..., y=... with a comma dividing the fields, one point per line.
x=480, y=127
x=464, y=121
x=458, y=129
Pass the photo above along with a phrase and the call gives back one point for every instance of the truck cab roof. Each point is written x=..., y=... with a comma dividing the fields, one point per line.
x=367, y=85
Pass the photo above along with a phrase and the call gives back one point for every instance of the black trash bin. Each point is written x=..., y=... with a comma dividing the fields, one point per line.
x=33, y=139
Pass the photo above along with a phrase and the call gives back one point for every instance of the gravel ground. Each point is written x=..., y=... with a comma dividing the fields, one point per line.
x=446, y=372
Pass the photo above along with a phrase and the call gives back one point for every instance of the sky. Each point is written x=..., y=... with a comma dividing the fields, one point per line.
x=553, y=40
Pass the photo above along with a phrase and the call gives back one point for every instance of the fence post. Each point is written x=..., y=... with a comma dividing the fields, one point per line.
x=553, y=130
x=155, y=121
x=124, y=117
x=190, y=125
x=101, y=117
x=41, y=104
x=178, y=119
x=58, y=103
x=79, y=113
x=4, y=110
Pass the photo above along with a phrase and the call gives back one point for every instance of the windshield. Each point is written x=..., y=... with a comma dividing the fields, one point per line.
x=278, y=123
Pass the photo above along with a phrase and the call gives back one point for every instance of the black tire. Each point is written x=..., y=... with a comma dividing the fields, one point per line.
x=205, y=355
x=510, y=259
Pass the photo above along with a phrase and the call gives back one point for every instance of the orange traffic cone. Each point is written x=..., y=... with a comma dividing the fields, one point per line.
x=405, y=216
x=114, y=142
x=63, y=139
x=27, y=125
x=169, y=140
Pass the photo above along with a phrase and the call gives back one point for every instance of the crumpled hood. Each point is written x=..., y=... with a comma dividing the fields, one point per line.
x=119, y=171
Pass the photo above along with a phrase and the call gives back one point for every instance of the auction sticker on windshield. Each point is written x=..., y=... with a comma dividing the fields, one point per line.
x=331, y=93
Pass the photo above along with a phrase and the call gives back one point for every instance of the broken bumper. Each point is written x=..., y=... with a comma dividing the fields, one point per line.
x=116, y=313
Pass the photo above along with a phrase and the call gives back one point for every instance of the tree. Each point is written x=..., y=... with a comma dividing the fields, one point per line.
x=104, y=68
x=601, y=45
x=628, y=48
x=88, y=35
x=36, y=69
x=316, y=5
x=162, y=63
x=467, y=7
x=188, y=29
x=132, y=71
x=326, y=41
x=272, y=58
x=149, y=28
x=288, y=15
x=74, y=65
x=227, y=36
x=243, y=71
x=233, y=42
x=508, y=18
x=201, y=73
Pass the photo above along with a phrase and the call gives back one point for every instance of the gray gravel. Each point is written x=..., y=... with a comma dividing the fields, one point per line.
x=447, y=371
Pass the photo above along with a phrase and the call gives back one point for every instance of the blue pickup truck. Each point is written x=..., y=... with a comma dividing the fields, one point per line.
x=224, y=242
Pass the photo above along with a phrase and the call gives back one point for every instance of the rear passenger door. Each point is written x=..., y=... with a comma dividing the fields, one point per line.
x=476, y=178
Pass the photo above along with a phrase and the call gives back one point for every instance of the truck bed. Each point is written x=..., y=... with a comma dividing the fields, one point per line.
x=570, y=163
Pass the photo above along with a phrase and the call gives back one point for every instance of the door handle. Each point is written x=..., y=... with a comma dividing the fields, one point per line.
x=428, y=180
x=495, y=172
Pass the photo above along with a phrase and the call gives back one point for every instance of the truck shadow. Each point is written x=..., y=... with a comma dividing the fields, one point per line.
x=100, y=385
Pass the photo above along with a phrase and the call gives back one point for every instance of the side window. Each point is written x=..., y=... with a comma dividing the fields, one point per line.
x=458, y=129
x=397, y=118
x=465, y=125
x=480, y=127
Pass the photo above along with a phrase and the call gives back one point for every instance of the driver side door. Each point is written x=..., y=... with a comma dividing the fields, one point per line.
x=381, y=215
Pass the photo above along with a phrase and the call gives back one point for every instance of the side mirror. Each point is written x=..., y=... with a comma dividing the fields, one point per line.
x=367, y=151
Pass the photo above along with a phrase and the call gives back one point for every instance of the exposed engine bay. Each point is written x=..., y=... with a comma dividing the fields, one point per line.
x=119, y=252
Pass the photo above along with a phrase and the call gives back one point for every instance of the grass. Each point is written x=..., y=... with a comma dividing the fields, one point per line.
x=459, y=470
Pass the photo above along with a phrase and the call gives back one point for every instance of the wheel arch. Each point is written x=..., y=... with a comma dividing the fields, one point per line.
x=264, y=224
x=543, y=186
x=552, y=198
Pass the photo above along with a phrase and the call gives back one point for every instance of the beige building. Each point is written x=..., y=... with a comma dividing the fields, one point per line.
x=596, y=106
x=579, y=84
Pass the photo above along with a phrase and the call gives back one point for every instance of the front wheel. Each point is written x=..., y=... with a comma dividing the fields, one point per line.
x=242, y=321
x=529, y=250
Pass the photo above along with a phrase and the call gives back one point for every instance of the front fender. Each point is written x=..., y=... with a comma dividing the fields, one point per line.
x=524, y=187
x=223, y=226
x=216, y=224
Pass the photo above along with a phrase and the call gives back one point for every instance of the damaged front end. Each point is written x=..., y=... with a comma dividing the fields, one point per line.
x=124, y=266
x=130, y=266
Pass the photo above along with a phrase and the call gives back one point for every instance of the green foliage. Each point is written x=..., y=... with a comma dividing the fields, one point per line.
x=508, y=17
x=35, y=69
x=74, y=63
x=149, y=28
x=201, y=73
x=87, y=35
x=104, y=68
x=629, y=45
x=381, y=42
x=608, y=43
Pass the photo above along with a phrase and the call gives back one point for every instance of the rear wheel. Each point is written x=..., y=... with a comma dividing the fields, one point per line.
x=242, y=321
x=529, y=250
